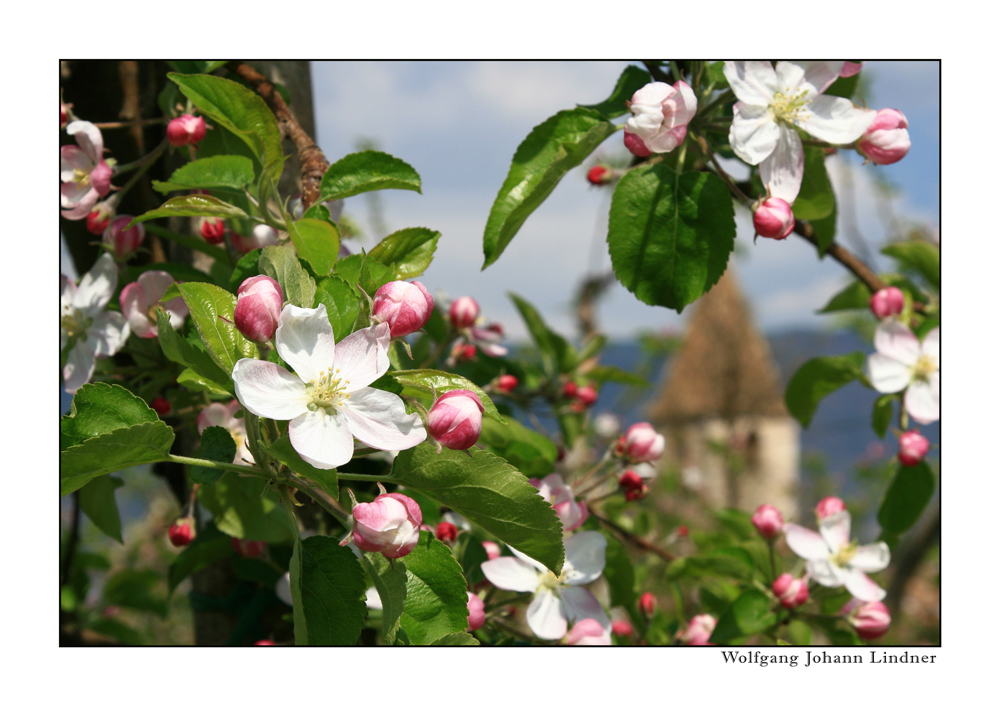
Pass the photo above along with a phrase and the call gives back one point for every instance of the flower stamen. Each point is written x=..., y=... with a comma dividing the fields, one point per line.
x=790, y=108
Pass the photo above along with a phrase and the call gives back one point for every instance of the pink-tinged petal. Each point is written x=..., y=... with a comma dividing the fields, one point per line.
x=754, y=133
x=67, y=292
x=790, y=77
x=653, y=93
x=511, y=574
x=860, y=586
x=135, y=307
x=581, y=604
x=379, y=516
x=305, y=341
x=79, y=366
x=100, y=178
x=379, y=419
x=72, y=159
x=322, y=439
x=679, y=108
x=836, y=120
x=88, y=136
x=585, y=556
x=931, y=345
x=782, y=171
x=108, y=332
x=214, y=415
x=154, y=284
x=871, y=557
x=528, y=560
x=97, y=286
x=923, y=400
x=806, y=543
x=70, y=193
x=83, y=204
x=894, y=339
x=547, y=616
x=819, y=75
x=668, y=140
x=753, y=82
x=363, y=356
x=836, y=530
x=888, y=374
x=588, y=632
x=268, y=390
x=825, y=573
x=646, y=120
x=177, y=310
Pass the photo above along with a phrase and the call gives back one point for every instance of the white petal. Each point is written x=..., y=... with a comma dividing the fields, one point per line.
x=67, y=291
x=547, y=616
x=652, y=94
x=931, y=345
x=379, y=419
x=790, y=77
x=363, y=356
x=97, y=286
x=88, y=136
x=836, y=120
x=754, y=134
x=537, y=566
x=836, y=530
x=79, y=366
x=646, y=120
x=372, y=599
x=753, y=82
x=305, y=341
x=819, y=75
x=214, y=415
x=154, y=284
x=888, y=374
x=782, y=171
x=268, y=390
x=107, y=333
x=860, y=586
x=585, y=557
x=322, y=439
x=871, y=557
x=923, y=400
x=825, y=573
x=680, y=108
x=581, y=603
x=895, y=339
x=511, y=574
x=806, y=543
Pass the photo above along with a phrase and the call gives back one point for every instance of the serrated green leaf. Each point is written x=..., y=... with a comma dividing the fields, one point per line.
x=246, y=267
x=367, y=171
x=209, y=547
x=882, y=415
x=246, y=509
x=856, y=295
x=669, y=234
x=408, y=252
x=816, y=379
x=749, y=614
x=457, y=639
x=364, y=270
x=489, y=492
x=544, y=157
x=911, y=489
x=192, y=205
x=212, y=309
x=193, y=381
x=631, y=80
x=342, y=302
x=282, y=450
x=436, y=600
x=318, y=243
x=280, y=263
x=202, y=366
x=332, y=590
x=558, y=356
x=920, y=257
x=523, y=448
x=99, y=408
x=97, y=500
x=843, y=88
x=423, y=383
x=815, y=200
x=231, y=172
x=187, y=66
x=217, y=445
x=389, y=579
x=113, y=451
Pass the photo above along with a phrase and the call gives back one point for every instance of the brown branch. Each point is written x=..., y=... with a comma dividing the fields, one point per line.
x=312, y=161
x=638, y=541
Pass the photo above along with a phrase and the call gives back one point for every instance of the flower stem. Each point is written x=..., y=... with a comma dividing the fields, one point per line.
x=140, y=165
x=218, y=465
x=365, y=477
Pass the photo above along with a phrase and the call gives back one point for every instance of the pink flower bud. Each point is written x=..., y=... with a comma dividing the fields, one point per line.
x=588, y=632
x=641, y=443
x=406, y=306
x=586, y=395
x=850, y=68
x=100, y=217
x=265, y=643
x=258, y=308
x=768, y=521
x=682, y=531
x=829, y=506
x=647, y=604
x=248, y=548
x=181, y=532
x=569, y=389
x=456, y=419
x=63, y=114
x=160, y=406
x=699, y=630
x=446, y=532
x=492, y=550
x=506, y=383
x=477, y=611
x=125, y=242
x=599, y=175
x=621, y=628
x=886, y=140
x=912, y=448
x=390, y=524
x=186, y=130
x=792, y=592
x=660, y=114
x=773, y=218
x=633, y=485
x=213, y=230
x=464, y=312
x=888, y=301
x=870, y=620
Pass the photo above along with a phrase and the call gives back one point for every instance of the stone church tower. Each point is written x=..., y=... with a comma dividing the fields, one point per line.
x=722, y=409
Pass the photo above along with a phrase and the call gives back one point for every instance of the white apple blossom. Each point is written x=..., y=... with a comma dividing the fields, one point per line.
x=329, y=400
x=93, y=332
x=773, y=101
x=558, y=599
x=903, y=362
x=834, y=560
x=84, y=174
x=221, y=415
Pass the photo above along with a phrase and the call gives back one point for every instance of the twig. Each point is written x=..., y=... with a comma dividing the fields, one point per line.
x=131, y=123
x=633, y=538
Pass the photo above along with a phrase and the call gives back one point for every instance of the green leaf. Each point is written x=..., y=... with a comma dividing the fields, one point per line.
x=918, y=256
x=422, y=383
x=407, y=252
x=815, y=200
x=367, y=171
x=558, y=356
x=220, y=172
x=882, y=415
x=620, y=576
x=190, y=242
x=748, y=615
x=825, y=230
x=670, y=234
x=907, y=496
x=856, y=295
x=489, y=492
x=609, y=373
x=139, y=590
x=343, y=304
x=280, y=263
x=246, y=267
x=282, y=450
x=193, y=381
x=816, y=379
x=99, y=408
x=544, y=157
x=632, y=79
x=364, y=270
x=114, y=451
x=201, y=364
x=211, y=309
x=217, y=445
x=239, y=110
x=523, y=448
x=332, y=590
x=209, y=547
x=195, y=67
x=192, y=205
x=436, y=601
x=301, y=627
x=318, y=243
x=97, y=500
x=471, y=554
x=457, y=639
x=389, y=579
x=246, y=508
x=843, y=87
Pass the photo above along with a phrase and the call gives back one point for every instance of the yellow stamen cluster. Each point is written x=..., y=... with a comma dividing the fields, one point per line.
x=844, y=555
x=81, y=177
x=328, y=393
x=790, y=108
x=926, y=365
x=75, y=324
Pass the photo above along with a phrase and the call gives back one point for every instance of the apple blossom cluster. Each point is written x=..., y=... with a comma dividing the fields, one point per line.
x=472, y=332
x=902, y=362
x=140, y=300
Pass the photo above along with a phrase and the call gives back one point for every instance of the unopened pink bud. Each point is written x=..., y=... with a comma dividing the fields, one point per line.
x=390, y=525
x=477, y=611
x=506, y=383
x=870, y=620
x=768, y=521
x=186, y=130
x=850, y=68
x=773, y=219
x=248, y=548
x=181, y=532
x=641, y=443
x=456, y=419
x=621, y=628
x=99, y=218
x=829, y=506
x=633, y=485
x=464, y=312
x=912, y=447
x=213, y=230
x=699, y=630
x=647, y=604
x=265, y=643
x=258, y=308
x=588, y=632
x=160, y=406
x=125, y=242
x=888, y=301
x=886, y=140
x=492, y=550
x=599, y=175
x=569, y=389
x=446, y=532
x=635, y=145
x=586, y=395
x=63, y=114
x=792, y=592
x=405, y=306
